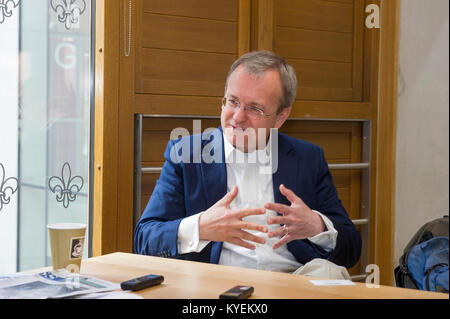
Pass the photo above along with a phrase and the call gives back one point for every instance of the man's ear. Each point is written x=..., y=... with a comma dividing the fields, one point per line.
x=282, y=117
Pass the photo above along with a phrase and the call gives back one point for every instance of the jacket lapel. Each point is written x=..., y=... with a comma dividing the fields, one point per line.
x=214, y=177
x=214, y=174
x=287, y=170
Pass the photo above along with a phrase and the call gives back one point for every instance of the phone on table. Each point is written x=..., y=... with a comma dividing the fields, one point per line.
x=142, y=282
x=237, y=292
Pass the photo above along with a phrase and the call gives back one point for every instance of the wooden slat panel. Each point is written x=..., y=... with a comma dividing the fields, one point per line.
x=328, y=110
x=318, y=74
x=144, y=200
x=217, y=9
x=358, y=50
x=153, y=146
x=344, y=185
x=185, y=73
x=244, y=27
x=168, y=124
x=193, y=34
x=156, y=134
x=341, y=178
x=148, y=183
x=263, y=24
x=313, y=45
x=323, y=40
x=343, y=1
x=325, y=94
x=317, y=15
x=336, y=138
x=199, y=105
x=337, y=146
x=180, y=105
x=106, y=148
x=386, y=139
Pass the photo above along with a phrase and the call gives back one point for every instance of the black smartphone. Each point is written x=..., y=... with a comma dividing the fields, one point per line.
x=237, y=292
x=142, y=282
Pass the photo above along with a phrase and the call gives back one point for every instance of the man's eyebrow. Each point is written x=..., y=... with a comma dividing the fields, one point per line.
x=251, y=103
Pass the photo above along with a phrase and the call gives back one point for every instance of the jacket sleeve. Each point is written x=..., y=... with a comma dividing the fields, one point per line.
x=156, y=232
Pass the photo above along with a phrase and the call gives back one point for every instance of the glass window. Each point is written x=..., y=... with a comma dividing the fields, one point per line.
x=45, y=120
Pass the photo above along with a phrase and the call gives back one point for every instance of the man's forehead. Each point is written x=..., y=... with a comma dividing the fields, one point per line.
x=252, y=72
x=241, y=82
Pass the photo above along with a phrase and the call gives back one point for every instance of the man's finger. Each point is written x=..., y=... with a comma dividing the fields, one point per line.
x=277, y=220
x=284, y=240
x=240, y=242
x=228, y=198
x=253, y=226
x=277, y=232
x=290, y=195
x=241, y=213
x=247, y=236
x=280, y=208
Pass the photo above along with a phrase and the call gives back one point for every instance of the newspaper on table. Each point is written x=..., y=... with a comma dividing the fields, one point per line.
x=51, y=284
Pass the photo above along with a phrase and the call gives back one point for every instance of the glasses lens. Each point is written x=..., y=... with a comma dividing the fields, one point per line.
x=254, y=112
x=251, y=111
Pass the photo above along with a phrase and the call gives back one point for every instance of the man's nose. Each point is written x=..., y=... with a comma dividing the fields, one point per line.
x=240, y=115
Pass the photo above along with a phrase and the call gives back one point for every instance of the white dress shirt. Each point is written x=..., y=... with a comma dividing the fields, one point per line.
x=254, y=190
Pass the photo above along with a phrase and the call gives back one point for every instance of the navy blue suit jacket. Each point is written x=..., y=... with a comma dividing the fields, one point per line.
x=188, y=187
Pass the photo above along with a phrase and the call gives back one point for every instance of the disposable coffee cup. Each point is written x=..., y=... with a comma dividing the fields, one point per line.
x=67, y=243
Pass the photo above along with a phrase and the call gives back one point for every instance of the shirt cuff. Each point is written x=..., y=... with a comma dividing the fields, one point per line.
x=327, y=239
x=188, y=239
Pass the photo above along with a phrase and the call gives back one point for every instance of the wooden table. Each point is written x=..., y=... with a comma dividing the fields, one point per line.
x=196, y=280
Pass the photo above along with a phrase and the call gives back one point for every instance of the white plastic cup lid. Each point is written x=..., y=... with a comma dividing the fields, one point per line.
x=66, y=226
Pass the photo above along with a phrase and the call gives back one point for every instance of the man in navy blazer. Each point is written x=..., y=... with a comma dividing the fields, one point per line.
x=197, y=185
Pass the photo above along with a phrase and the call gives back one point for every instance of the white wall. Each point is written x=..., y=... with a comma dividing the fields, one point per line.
x=422, y=179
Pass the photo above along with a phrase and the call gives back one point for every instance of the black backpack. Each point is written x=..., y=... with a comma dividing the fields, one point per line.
x=424, y=263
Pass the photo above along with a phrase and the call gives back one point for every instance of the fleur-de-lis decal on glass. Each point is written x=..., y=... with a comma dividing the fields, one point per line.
x=6, y=7
x=8, y=186
x=67, y=187
x=69, y=11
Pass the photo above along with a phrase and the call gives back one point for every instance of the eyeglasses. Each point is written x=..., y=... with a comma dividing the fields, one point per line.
x=251, y=110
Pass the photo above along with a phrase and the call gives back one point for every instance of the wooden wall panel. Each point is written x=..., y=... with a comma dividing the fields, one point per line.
x=156, y=134
x=182, y=72
x=182, y=33
x=218, y=9
x=318, y=15
x=180, y=105
x=318, y=45
x=324, y=42
x=186, y=48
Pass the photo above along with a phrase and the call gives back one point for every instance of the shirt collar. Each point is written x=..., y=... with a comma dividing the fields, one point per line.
x=230, y=150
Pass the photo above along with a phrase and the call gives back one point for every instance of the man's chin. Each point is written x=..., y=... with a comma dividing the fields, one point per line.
x=242, y=144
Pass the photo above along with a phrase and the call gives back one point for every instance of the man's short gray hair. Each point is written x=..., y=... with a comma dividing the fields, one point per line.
x=258, y=62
